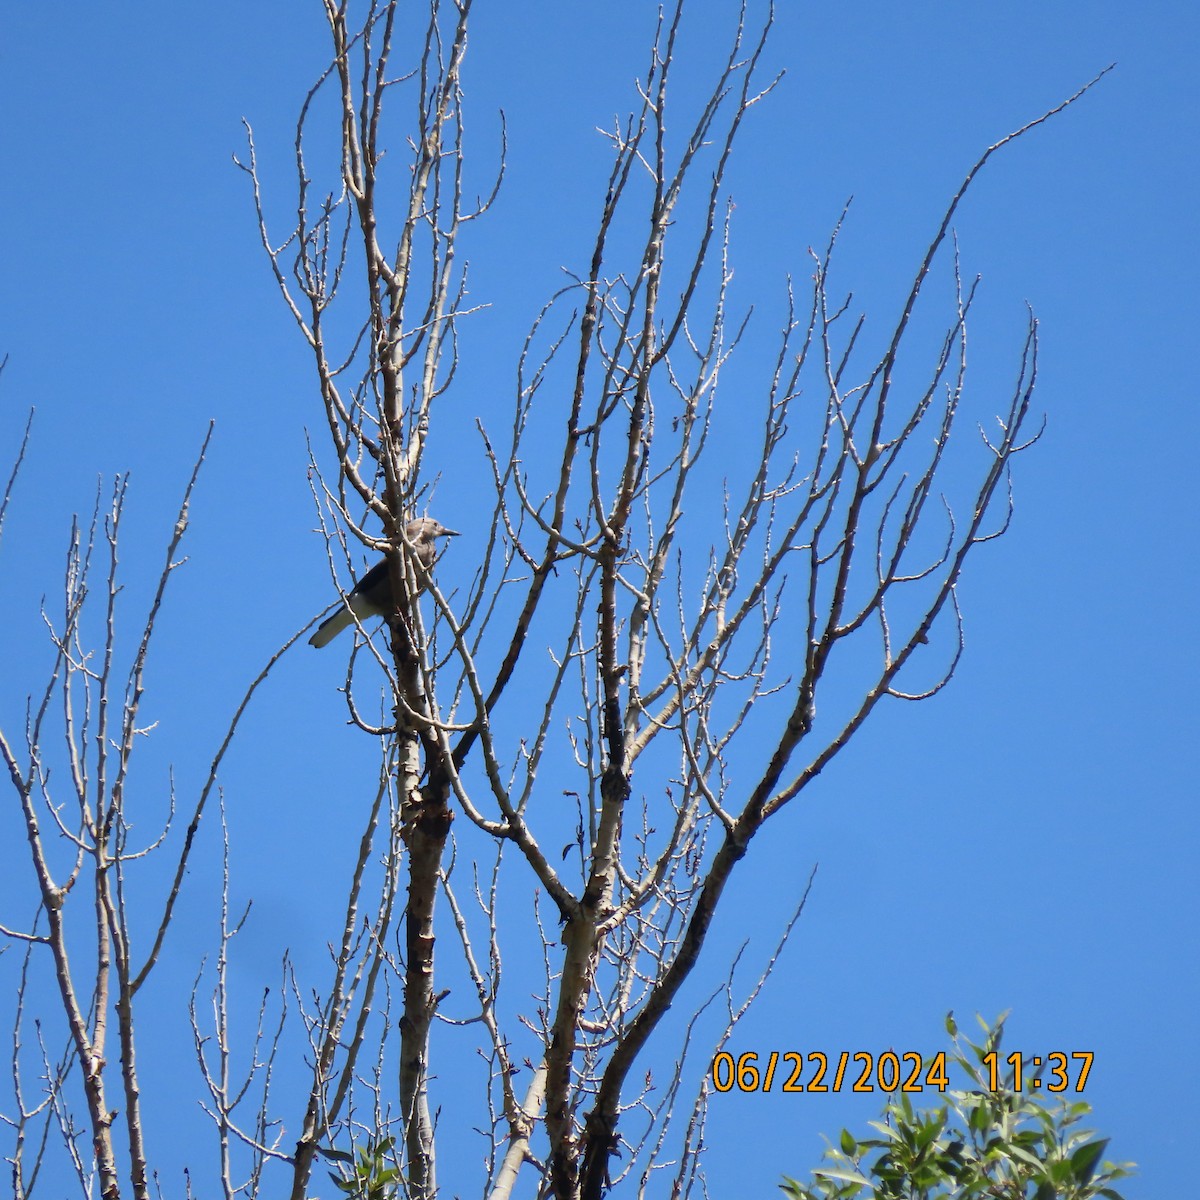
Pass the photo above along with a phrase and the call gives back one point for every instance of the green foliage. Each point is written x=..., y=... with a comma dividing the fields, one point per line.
x=993, y=1145
x=373, y=1176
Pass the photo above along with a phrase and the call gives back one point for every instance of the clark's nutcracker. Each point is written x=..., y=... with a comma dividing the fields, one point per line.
x=372, y=595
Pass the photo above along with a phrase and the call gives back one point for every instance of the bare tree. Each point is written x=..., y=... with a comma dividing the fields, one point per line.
x=81, y=835
x=671, y=575
x=658, y=645
x=70, y=775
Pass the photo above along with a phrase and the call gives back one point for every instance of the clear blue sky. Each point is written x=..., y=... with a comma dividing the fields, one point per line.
x=1028, y=839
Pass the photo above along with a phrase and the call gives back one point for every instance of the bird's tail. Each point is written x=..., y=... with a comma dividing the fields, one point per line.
x=331, y=627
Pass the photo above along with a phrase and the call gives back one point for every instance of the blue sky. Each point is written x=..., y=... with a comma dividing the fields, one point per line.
x=1026, y=840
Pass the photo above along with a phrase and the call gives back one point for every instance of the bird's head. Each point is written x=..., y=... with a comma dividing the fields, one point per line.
x=426, y=529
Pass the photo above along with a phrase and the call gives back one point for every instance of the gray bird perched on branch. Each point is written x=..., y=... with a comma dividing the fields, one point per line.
x=372, y=595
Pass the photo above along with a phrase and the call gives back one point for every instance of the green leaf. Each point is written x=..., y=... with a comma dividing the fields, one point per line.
x=1086, y=1159
x=1019, y=1152
x=887, y=1131
x=951, y=1024
x=928, y=1131
x=848, y=1144
x=979, y=1119
x=1061, y=1174
x=845, y=1176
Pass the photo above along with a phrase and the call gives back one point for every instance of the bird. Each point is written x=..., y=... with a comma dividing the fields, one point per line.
x=372, y=595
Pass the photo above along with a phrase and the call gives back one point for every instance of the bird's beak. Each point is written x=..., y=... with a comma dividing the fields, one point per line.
x=449, y=533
